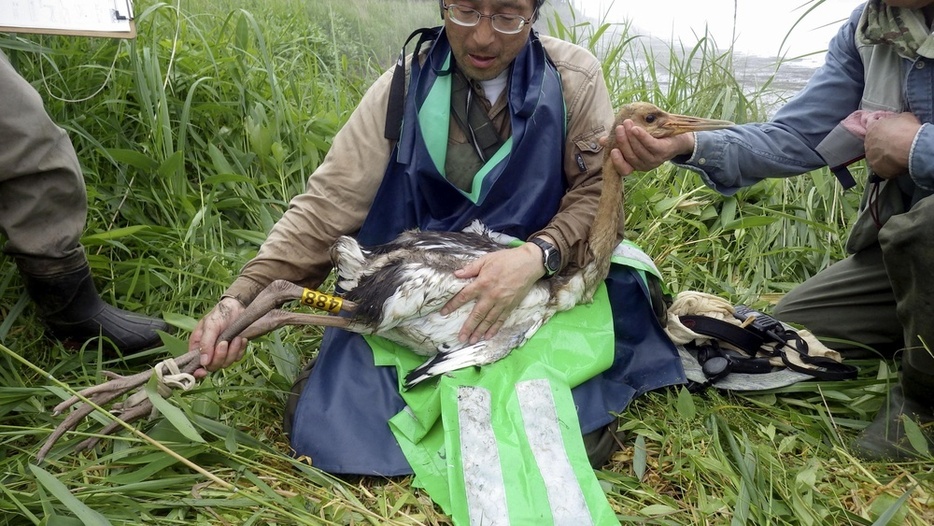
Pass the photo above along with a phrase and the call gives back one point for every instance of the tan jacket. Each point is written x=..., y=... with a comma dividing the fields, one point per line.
x=341, y=189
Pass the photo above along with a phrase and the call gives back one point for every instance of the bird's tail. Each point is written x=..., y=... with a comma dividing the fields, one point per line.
x=480, y=353
x=448, y=361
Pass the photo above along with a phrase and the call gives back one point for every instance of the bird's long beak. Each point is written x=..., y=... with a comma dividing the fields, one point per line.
x=675, y=124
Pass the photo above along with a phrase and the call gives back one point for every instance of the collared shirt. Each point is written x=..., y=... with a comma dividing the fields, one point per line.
x=340, y=191
x=728, y=160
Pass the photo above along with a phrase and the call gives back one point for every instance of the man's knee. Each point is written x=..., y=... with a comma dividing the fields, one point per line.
x=909, y=234
x=797, y=307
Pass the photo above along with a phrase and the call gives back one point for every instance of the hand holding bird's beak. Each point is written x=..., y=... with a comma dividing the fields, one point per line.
x=645, y=136
x=634, y=149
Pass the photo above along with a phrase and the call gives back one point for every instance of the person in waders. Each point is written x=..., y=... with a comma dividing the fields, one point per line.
x=873, y=97
x=485, y=120
x=43, y=211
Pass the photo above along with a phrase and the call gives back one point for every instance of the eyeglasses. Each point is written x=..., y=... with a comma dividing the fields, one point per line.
x=467, y=17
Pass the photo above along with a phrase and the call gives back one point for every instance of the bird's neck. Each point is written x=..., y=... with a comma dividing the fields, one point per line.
x=609, y=211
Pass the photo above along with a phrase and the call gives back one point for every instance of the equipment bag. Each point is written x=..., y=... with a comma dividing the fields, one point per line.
x=738, y=348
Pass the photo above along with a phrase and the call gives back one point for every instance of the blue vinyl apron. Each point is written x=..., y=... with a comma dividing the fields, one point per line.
x=341, y=420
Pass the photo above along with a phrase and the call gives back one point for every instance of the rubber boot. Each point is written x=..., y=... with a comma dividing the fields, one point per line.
x=601, y=444
x=73, y=312
x=885, y=438
x=291, y=403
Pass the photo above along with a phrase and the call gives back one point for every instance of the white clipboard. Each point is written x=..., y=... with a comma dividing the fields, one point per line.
x=98, y=18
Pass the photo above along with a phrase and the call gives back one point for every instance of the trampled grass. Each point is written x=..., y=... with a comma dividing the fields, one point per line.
x=193, y=138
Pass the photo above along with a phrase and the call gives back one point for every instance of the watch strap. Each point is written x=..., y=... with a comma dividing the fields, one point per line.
x=548, y=251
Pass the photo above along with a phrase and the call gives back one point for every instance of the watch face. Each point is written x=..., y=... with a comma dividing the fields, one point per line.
x=551, y=259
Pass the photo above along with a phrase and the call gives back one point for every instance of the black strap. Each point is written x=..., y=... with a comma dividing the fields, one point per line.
x=395, y=109
x=823, y=368
x=748, y=341
x=788, y=341
x=717, y=363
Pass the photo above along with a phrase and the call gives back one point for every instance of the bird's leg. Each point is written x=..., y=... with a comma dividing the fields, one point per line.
x=262, y=316
x=259, y=318
x=128, y=415
x=105, y=393
x=277, y=318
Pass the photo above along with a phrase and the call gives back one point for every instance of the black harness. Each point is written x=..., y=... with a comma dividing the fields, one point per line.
x=757, y=331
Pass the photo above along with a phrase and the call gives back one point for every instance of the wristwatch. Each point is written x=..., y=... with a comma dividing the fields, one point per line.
x=551, y=258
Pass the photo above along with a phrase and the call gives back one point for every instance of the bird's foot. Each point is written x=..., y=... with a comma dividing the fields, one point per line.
x=172, y=373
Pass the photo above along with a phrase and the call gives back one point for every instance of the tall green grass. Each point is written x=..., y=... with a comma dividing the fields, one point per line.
x=193, y=138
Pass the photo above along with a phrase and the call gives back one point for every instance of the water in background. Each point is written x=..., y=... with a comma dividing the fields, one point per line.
x=752, y=72
x=756, y=30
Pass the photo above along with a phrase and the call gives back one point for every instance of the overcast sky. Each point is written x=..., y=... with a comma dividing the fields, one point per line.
x=760, y=25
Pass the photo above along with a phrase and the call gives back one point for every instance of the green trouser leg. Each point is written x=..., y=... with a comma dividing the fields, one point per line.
x=850, y=301
x=43, y=201
x=883, y=297
x=908, y=250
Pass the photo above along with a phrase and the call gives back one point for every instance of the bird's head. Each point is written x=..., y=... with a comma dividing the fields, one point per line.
x=660, y=123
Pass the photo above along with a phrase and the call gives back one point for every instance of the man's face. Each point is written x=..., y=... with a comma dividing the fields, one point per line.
x=482, y=52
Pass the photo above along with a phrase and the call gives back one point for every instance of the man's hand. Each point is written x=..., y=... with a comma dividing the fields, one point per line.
x=888, y=144
x=216, y=355
x=636, y=150
x=501, y=281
